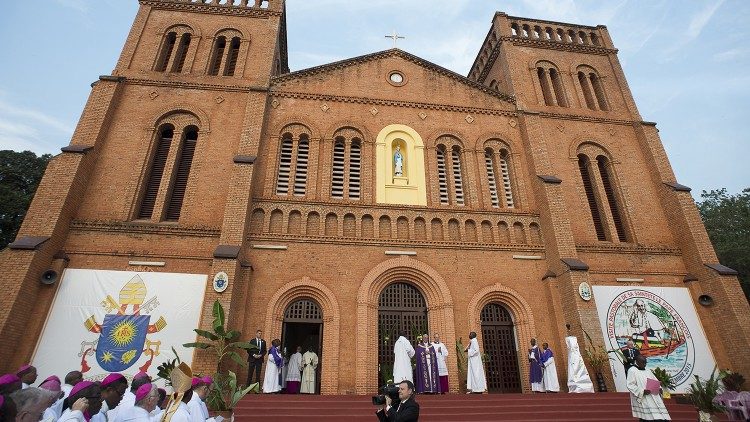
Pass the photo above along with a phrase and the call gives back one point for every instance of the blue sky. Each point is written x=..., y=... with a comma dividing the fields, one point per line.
x=686, y=62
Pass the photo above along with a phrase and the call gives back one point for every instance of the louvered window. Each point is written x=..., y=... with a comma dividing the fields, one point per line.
x=179, y=185
x=588, y=186
x=300, y=171
x=166, y=52
x=458, y=183
x=442, y=176
x=507, y=187
x=285, y=163
x=491, y=180
x=544, y=83
x=598, y=91
x=557, y=86
x=158, y=163
x=337, y=172
x=355, y=169
x=234, y=52
x=218, y=55
x=604, y=171
x=182, y=50
x=583, y=80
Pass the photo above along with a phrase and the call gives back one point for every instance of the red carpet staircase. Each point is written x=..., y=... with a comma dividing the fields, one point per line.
x=454, y=407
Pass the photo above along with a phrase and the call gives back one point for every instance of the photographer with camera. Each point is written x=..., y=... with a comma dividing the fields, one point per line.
x=405, y=410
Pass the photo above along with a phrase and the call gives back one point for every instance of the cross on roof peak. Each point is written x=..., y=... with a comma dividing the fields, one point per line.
x=395, y=37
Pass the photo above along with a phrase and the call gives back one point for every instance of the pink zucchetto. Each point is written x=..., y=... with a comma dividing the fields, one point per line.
x=196, y=382
x=207, y=380
x=9, y=379
x=51, y=385
x=24, y=369
x=143, y=391
x=52, y=378
x=140, y=375
x=80, y=386
x=109, y=379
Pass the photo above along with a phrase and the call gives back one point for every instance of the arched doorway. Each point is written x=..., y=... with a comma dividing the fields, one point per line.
x=499, y=338
x=400, y=306
x=303, y=326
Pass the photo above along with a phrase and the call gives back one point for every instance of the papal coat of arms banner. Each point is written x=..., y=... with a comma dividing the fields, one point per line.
x=663, y=324
x=119, y=321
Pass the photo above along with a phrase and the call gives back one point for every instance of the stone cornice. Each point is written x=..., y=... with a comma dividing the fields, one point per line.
x=394, y=103
x=560, y=46
x=629, y=249
x=391, y=243
x=210, y=8
x=622, y=122
x=144, y=228
x=392, y=53
x=195, y=85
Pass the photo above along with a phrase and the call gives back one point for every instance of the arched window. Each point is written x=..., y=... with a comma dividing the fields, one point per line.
x=600, y=186
x=179, y=185
x=592, y=88
x=442, y=175
x=293, y=160
x=346, y=168
x=553, y=91
x=499, y=177
x=184, y=126
x=174, y=49
x=458, y=180
x=225, y=53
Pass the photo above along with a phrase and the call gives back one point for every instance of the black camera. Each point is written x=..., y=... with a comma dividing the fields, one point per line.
x=390, y=390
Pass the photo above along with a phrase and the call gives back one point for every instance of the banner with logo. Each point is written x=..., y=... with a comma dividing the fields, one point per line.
x=663, y=324
x=119, y=321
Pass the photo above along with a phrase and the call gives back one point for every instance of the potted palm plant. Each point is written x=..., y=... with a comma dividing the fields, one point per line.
x=702, y=394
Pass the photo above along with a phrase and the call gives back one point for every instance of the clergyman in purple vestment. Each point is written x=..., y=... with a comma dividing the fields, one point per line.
x=535, y=368
x=426, y=378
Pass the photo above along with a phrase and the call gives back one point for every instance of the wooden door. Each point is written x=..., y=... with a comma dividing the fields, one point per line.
x=501, y=364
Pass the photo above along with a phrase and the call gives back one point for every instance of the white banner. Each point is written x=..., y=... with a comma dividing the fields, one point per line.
x=663, y=324
x=119, y=321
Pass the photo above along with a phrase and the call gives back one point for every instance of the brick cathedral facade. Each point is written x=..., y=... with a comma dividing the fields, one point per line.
x=532, y=175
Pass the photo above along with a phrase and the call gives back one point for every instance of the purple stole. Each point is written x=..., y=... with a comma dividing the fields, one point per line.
x=427, y=379
x=277, y=359
x=546, y=355
x=535, y=366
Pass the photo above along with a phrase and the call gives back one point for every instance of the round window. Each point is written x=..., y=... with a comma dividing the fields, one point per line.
x=397, y=78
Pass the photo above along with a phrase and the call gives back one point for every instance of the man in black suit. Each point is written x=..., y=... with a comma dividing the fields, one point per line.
x=629, y=354
x=255, y=357
x=407, y=410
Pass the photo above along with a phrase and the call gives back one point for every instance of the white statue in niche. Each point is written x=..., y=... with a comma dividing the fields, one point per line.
x=398, y=162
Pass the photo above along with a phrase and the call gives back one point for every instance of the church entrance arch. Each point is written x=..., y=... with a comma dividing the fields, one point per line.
x=303, y=326
x=499, y=341
x=401, y=306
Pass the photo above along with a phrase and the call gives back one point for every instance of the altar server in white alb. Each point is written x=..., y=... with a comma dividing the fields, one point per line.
x=294, y=372
x=442, y=355
x=402, y=354
x=475, y=379
x=309, y=366
x=645, y=402
x=549, y=377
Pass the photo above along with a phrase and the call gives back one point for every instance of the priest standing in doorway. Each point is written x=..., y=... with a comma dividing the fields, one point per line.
x=309, y=365
x=402, y=354
x=427, y=367
x=551, y=385
x=475, y=379
x=293, y=377
x=535, y=368
x=442, y=356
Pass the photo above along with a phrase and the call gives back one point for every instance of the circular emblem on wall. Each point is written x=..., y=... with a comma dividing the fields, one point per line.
x=656, y=328
x=221, y=281
x=584, y=290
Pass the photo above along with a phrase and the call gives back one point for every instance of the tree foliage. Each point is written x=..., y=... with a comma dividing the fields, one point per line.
x=20, y=173
x=727, y=220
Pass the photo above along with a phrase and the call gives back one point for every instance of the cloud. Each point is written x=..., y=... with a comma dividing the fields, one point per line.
x=27, y=129
x=730, y=55
x=698, y=21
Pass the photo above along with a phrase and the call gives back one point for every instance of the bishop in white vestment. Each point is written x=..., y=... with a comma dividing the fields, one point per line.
x=402, y=354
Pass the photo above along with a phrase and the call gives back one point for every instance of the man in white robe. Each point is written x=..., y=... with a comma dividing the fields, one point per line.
x=195, y=405
x=549, y=377
x=271, y=382
x=442, y=354
x=402, y=354
x=645, y=404
x=293, y=374
x=475, y=379
x=309, y=365
x=146, y=398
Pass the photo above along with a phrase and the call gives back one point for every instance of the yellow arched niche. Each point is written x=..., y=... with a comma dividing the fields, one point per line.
x=408, y=188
